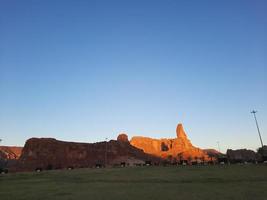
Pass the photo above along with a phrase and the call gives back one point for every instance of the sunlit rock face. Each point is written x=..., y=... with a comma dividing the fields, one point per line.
x=176, y=148
x=10, y=153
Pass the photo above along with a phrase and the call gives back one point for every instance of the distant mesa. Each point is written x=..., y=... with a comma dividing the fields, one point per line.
x=10, y=152
x=212, y=152
x=241, y=155
x=9, y=156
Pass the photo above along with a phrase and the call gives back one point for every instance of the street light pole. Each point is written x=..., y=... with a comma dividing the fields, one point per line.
x=254, y=114
x=219, y=146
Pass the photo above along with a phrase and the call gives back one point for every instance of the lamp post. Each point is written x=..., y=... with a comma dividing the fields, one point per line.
x=254, y=114
x=106, y=152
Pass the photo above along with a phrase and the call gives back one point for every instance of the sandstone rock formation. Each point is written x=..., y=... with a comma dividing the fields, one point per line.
x=179, y=148
x=9, y=156
x=48, y=153
x=10, y=152
x=122, y=138
x=212, y=152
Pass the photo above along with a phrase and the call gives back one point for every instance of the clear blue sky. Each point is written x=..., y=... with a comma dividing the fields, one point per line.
x=87, y=70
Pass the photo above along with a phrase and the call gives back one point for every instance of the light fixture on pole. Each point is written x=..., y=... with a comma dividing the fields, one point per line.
x=254, y=114
x=218, y=146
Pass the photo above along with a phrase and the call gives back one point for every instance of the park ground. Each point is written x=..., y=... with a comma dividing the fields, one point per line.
x=157, y=183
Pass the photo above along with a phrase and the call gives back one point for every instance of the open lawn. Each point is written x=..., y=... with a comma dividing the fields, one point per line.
x=152, y=183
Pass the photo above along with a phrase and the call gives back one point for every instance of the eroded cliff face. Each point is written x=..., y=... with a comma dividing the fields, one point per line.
x=10, y=152
x=176, y=148
x=49, y=153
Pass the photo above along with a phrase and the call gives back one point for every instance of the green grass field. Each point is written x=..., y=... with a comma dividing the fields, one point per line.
x=152, y=183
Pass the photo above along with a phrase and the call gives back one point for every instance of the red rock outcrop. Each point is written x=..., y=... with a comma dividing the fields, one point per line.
x=179, y=148
x=262, y=152
x=48, y=153
x=10, y=152
x=122, y=137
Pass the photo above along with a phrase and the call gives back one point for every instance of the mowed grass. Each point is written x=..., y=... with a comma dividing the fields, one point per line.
x=152, y=183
